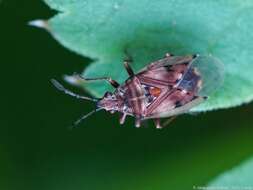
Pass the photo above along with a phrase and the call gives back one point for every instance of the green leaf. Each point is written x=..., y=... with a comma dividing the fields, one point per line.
x=241, y=177
x=103, y=30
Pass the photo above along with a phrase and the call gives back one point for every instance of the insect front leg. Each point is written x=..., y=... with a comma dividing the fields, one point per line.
x=114, y=83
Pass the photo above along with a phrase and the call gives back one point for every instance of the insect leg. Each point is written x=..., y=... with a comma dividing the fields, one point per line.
x=168, y=121
x=195, y=56
x=122, y=118
x=168, y=55
x=114, y=83
x=128, y=59
x=66, y=91
x=137, y=122
x=157, y=123
x=128, y=67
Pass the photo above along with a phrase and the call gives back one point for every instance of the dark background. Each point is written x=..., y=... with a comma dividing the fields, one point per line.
x=37, y=151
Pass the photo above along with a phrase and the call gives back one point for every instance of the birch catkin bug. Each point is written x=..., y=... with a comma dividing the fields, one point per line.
x=163, y=89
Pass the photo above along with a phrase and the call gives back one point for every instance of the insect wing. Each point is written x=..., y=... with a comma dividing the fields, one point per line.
x=202, y=77
x=210, y=71
x=165, y=72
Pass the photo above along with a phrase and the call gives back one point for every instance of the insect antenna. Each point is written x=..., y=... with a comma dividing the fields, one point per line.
x=66, y=91
x=77, y=122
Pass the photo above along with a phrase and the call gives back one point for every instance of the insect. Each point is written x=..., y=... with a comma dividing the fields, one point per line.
x=163, y=89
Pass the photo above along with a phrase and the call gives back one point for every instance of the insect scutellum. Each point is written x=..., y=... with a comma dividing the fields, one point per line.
x=165, y=88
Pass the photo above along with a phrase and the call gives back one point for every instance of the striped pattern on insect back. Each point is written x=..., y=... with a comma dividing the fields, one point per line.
x=172, y=99
x=184, y=92
x=167, y=75
x=135, y=96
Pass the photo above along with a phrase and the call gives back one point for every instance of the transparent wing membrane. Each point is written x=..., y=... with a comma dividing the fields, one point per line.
x=211, y=72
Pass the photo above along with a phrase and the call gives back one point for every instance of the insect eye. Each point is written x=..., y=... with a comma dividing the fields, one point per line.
x=113, y=97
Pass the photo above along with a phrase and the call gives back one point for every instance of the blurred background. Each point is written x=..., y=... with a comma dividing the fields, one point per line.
x=37, y=151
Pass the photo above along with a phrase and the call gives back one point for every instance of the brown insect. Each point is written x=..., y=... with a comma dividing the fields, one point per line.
x=163, y=89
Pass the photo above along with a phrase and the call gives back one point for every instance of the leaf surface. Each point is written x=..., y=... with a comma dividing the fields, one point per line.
x=240, y=177
x=104, y=30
